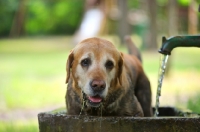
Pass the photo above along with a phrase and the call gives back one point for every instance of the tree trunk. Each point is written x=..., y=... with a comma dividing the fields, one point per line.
x=18, y=21
x=192, y=18
x=152, y=10
x=172, y=26
x=123, y=25
x=172, y=18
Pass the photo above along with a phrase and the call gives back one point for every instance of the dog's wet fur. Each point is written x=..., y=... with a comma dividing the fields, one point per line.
x=103, y=81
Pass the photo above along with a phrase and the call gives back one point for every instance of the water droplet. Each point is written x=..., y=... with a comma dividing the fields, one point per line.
x=83, y=104
x=101, y=106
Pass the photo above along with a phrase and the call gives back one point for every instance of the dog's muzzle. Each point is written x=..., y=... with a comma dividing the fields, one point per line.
x=97, y=87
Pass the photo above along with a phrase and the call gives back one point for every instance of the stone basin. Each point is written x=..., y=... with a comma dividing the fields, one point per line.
x=169, y=120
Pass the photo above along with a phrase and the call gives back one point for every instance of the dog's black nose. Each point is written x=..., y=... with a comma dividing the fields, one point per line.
x=98, y=85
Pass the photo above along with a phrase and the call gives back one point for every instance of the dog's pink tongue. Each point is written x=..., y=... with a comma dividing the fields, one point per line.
x=95, y=99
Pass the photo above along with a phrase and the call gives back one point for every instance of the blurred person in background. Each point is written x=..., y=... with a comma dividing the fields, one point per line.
x=92, y=20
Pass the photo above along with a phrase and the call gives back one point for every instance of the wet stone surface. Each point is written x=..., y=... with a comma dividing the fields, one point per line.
x=170, y=120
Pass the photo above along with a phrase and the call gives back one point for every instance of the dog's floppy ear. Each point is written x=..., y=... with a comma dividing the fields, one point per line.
x=69, y=64
x=120, y=65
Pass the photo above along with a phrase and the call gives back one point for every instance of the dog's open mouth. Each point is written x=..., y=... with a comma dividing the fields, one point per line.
x=94, y=101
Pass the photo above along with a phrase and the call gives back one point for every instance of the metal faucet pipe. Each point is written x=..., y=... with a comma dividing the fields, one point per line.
x=178, y=41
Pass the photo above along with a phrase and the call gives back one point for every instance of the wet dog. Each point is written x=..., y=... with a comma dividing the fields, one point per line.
x=103, y=81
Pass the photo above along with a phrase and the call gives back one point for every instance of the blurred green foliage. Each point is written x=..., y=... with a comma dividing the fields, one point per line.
x=7, y=11
x=184, y=2
x=53, y=17
x=43, y=16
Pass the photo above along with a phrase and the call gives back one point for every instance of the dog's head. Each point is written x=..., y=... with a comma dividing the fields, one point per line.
x=95, y=66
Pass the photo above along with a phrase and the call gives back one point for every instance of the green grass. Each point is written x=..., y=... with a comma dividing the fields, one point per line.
x=29, y=76
x=32, y=77
x=19, y=126
x=193, y=103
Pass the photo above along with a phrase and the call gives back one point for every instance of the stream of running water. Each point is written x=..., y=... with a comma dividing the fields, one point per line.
x=161, y=73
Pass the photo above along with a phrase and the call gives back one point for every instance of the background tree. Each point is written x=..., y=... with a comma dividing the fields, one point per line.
x=19, y=19
x=123, y=25
x=152, y=13
x=192, y=17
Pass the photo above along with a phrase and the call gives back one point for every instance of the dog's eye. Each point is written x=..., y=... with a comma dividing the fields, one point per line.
x=109, y=64
x=85, y=62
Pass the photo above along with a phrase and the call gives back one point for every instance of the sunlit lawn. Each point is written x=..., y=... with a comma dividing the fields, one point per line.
x=32, y=75
x=32, y=78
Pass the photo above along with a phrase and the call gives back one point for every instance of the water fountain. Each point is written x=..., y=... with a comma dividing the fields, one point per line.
x=166, y=118
x=167, y=46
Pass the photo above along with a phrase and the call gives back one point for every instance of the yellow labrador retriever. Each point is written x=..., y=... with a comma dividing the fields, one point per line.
x=103, y=81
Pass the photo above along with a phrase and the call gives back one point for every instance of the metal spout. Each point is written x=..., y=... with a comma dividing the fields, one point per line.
x=178, y=41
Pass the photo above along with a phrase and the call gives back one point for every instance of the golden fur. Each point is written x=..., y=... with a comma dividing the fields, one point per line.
x=102, y=80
